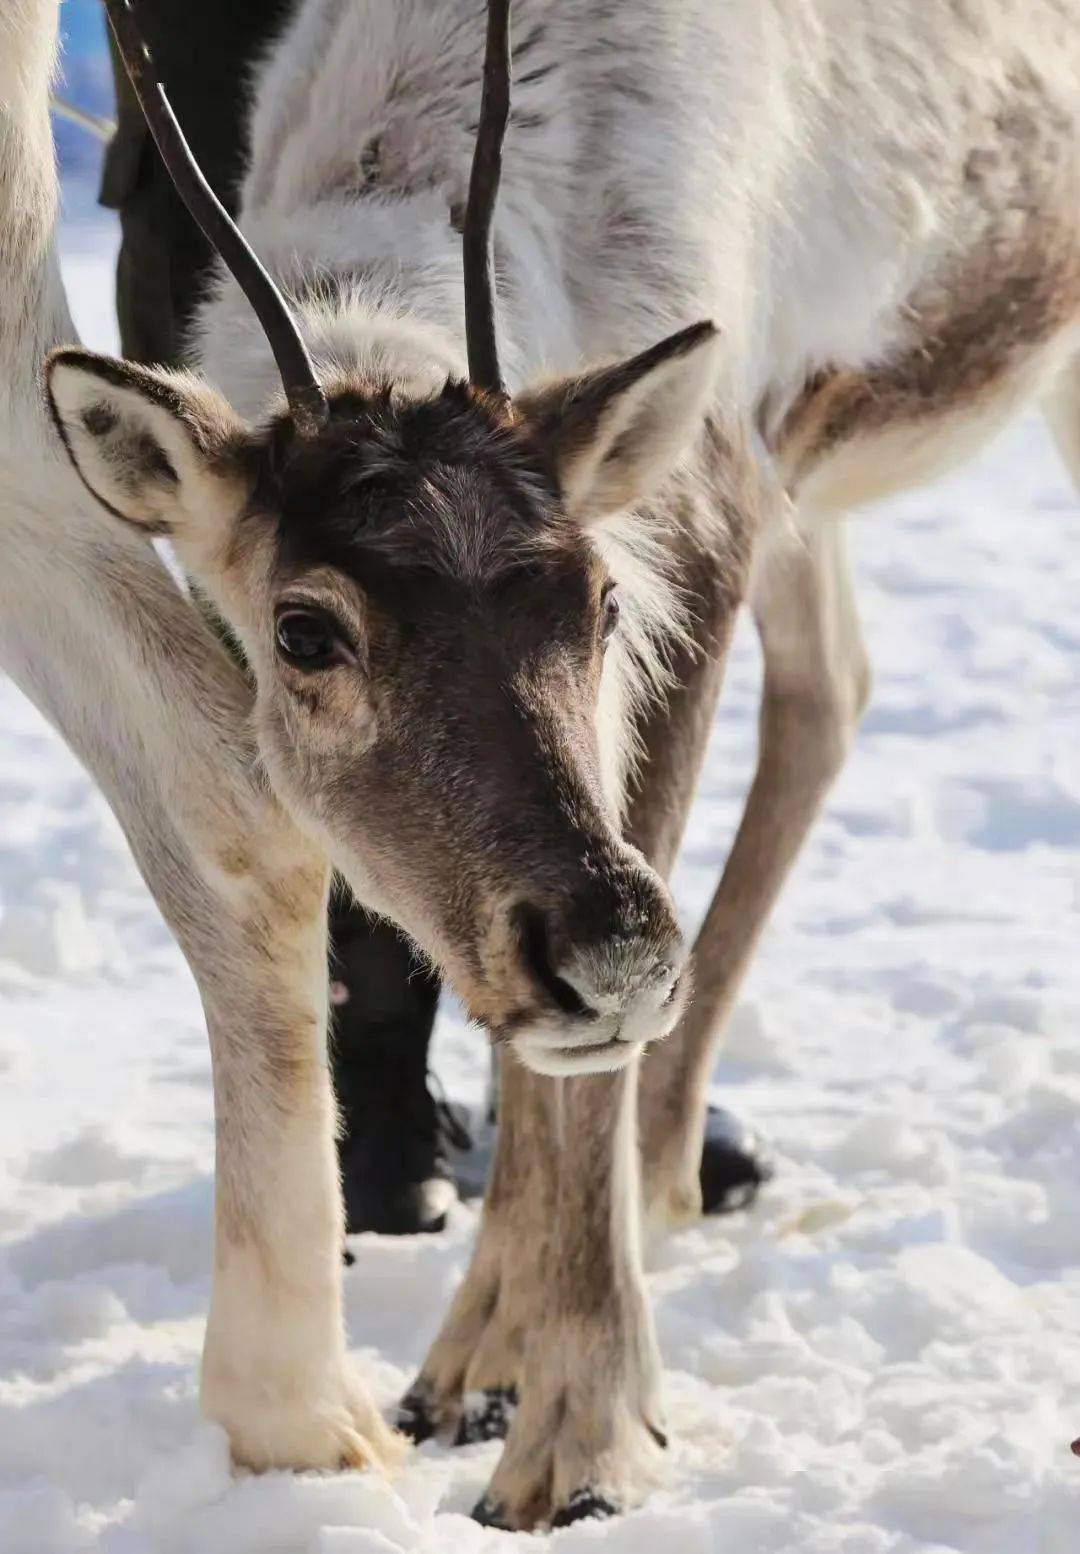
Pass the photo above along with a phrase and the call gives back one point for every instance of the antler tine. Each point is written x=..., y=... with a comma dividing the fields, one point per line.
x=479, y=255
x=307, y=402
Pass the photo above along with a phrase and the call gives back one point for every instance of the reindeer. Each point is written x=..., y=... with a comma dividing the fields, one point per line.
x=434, y=725
x=485, y=631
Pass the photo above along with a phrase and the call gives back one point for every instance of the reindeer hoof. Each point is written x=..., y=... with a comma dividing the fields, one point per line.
x=486, y=1415
x=583, y=1505
x=415, y=1418
x=490, y=1514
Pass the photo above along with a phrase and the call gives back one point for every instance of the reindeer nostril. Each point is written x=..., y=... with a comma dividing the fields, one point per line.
x=675, y=988
x=536, y=945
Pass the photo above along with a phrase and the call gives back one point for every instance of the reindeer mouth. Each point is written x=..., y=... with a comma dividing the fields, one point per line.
x=558, y=1062
x=590, y=1001
x=606, y=1044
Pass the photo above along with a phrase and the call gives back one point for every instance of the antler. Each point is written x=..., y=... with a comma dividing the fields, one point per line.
x=479, y=255
x=307, y=401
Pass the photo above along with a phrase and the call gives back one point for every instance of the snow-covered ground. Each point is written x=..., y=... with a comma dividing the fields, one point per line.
x=882, y=1358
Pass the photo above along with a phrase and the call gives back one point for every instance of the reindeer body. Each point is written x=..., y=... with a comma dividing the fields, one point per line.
x=844, y=188
x=880, y=206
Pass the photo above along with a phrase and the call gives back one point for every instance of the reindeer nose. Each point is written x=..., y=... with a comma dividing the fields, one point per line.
x=610, y=959
x=640, y=989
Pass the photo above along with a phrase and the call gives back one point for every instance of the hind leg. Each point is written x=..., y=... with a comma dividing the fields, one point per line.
x=816, y=685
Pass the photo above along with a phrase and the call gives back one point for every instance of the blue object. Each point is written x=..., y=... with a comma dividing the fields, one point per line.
x=85, y=80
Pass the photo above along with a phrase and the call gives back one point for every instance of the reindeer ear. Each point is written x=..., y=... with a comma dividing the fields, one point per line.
x=615, y=434
x=159, y=449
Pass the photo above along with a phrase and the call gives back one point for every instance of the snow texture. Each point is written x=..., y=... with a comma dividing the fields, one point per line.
x=882, y=1358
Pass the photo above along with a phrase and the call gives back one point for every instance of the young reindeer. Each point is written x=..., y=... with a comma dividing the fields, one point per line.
x=404, y=557
x=881, y=207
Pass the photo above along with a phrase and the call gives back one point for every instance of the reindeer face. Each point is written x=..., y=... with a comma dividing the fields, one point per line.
x=427, y=621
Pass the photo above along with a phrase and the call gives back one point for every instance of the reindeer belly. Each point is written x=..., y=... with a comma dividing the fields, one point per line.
x=991, y=312
x=991, y=337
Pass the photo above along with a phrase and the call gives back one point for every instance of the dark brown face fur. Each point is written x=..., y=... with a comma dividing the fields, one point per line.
x=450, y=753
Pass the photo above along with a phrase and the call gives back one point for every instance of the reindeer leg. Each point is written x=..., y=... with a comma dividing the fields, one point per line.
x=816, y=686
x=549, y=1340
x=712, y=548
x=471, y=1380
x=275, y=1371
x=151, y=704
x=96, y=634
x=587, y=1436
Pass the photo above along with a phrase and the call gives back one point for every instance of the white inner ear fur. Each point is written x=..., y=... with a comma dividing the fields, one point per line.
x=150, y=464
x=641, y=434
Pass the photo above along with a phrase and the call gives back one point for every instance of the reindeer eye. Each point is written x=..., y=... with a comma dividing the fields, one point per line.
x=310, y=639
x=609, y=617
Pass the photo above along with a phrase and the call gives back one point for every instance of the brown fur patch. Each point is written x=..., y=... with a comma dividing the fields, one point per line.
x=1008, y=284
x=993, y=318
x=453, y=485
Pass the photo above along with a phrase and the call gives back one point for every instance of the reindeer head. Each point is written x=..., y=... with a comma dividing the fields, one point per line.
x=409, y=569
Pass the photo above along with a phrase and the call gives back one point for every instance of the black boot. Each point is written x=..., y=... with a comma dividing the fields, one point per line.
x=735, y=1162
x=394, y=1149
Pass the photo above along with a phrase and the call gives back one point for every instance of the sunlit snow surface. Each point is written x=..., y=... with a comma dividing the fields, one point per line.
x=883, y=1358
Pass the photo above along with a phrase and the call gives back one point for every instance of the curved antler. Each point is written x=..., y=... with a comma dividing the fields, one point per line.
x=479, y=255
x=307, y=402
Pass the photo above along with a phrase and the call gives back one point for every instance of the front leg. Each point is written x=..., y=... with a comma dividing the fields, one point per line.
x=97, y=635
x=588, y=1437
x=245, y=894
x=471, y=1380
x=553, y=1314
x=275, y=1372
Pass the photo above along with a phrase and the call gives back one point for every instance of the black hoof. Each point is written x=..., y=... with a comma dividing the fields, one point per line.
x=735, y=1163
x=489, y=1514
x=415, y=1419
x=489, y=1418
x=583, y=1505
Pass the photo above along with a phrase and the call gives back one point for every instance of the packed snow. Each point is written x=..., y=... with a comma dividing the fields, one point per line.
x=883, y=1357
